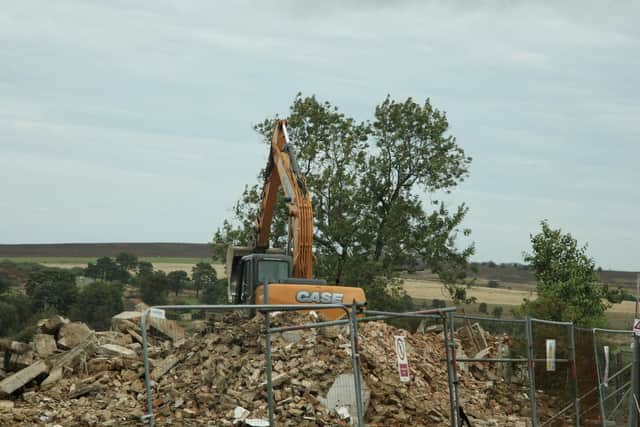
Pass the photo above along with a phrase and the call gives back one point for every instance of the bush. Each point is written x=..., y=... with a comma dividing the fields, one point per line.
x=97, y=303
x=52, y=288
x=215, y=292
x=482, y=308
x=438, y=303
x=154, y=287
x=493, y=284
x=497, y=311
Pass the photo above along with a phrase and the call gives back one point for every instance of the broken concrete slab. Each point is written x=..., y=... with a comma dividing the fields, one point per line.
x=44, y=345
x=164, y=366
x=118, y=350
x=18, y=347
x=343, y=393
x=114, y=337
x=166, y=327
x=73, y=334
x=6, y=405
x=19, y=361
x=52, y=324
x=135, y=335
x=54, y=376
x=69, y=358
x=22, y=377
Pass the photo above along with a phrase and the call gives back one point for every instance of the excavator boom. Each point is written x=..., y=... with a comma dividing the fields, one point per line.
x=258, y=274
x=283, y=171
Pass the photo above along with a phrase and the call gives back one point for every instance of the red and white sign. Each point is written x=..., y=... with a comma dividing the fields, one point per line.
x=403, y=363
x=636, y=327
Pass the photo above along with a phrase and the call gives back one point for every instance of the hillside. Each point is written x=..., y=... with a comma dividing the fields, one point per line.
x=177, y=250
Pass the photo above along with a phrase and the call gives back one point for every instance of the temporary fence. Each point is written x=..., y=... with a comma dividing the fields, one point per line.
x=568, y=375
x=505, y=346
x=353, y=316
x=573, y=376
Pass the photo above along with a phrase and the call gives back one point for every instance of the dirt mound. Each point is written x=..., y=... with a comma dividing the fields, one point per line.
x=217, y=377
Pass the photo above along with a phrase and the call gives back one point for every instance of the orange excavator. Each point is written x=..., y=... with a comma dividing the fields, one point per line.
x=260, y=275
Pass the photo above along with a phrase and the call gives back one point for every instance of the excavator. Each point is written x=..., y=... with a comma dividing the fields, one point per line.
x=258, y=274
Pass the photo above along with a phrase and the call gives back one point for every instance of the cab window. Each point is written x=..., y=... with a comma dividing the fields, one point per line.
x=272, y=271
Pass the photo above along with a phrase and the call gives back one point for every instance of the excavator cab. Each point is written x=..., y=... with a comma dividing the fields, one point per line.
x=260, y=269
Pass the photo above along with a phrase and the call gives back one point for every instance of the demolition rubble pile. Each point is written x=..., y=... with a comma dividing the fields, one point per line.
x=71, y=375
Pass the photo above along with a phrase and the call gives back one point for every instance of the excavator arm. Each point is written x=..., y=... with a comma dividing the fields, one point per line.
x=259, y=275
x=283, y=171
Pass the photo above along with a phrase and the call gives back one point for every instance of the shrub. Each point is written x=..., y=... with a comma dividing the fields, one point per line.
x=482, y=308
x=97, y=303
x=493, y=284
x=497, y=311
x=438, y=303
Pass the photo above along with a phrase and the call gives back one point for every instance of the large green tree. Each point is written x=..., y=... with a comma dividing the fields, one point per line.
x=566, y=280
x=177, y=280
x=52, y=288
x=373, y=186
x=97, y=303
x=202, y=275
x=154, y=287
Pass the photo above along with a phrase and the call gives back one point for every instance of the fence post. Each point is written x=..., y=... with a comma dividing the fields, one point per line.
x=532, y=375
x=633, y=399
x=268, y=370
x=599, y=375
x=355, y=355
x=447, y=346
x=456, y=386
x=574, y=372
x=147, y=374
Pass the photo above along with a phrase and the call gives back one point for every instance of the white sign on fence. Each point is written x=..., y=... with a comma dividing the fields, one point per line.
x=605, y=377
x=551, y=355
x=158, y=313
x=403, y=363
x=636, y=327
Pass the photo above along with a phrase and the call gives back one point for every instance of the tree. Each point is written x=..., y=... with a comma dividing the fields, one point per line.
x=482, y=308
x=15, y=311
x=127, y=262
x=177, y=279
x=144, y=267
x=367, y=182
x=497, y=311
x=566, y=280
x=4, y=285
x=154, y=287
x=202, y=274
x=107, y=269
x=215, y=292
x=97, y=303
x=52, y=288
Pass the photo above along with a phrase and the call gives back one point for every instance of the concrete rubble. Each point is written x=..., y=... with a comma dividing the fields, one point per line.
x=217, y=376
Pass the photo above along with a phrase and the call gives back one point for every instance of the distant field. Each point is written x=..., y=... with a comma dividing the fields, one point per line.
x=619, y=315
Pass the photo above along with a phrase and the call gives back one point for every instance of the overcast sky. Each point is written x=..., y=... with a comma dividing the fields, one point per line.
x=131, y=121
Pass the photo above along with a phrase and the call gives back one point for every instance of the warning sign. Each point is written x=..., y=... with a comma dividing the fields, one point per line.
x=551, y=355
x=403, y=363
x=158, y=313
x=605, y=377
x=636, y=327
